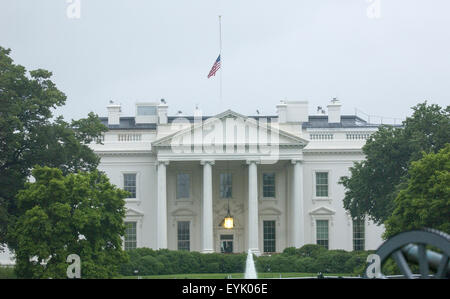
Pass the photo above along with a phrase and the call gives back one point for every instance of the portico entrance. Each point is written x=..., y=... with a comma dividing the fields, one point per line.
x=195, y=182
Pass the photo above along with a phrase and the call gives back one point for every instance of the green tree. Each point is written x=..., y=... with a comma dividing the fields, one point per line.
x=428, y=130
x=425, y=200
x=374, y=183
x=29, y=136
x=59, y=215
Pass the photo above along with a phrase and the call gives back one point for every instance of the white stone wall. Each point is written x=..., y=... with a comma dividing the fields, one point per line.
x=334, y=156
x=278, y=209
x=144, y=206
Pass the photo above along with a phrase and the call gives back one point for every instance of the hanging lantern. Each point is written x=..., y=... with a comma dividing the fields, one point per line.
x=228, y=221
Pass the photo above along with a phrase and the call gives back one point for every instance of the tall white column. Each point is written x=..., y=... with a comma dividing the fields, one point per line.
x=161, y=215
x=253, y=231
x=207, y=212
x=298, y=221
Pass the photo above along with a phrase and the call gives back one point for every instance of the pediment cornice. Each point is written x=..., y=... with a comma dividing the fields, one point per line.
x=323, y=210
x=289, y=139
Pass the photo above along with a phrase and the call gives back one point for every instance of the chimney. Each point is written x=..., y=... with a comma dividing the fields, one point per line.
x=282, y=112
x=162, y=112
x=292, y=112
x=334, y=111
x=113, y=113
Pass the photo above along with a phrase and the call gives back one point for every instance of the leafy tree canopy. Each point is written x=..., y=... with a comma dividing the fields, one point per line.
x=425, y=200
x=375, y=182
x=29, y=136
x=60, y=215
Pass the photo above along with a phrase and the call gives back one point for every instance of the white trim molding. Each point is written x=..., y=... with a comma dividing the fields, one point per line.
x=137, y=200
x=323, y=213
x=316, y=198
x=134, y=215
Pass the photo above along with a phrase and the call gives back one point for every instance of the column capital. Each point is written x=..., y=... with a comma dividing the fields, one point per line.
x=251, y=161
x=165, y=162
x=295, y=161
x=210, y=162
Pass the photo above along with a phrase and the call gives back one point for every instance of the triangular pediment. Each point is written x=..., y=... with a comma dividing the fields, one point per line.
x=322, y=211
x=230, y=127
x=133, y=212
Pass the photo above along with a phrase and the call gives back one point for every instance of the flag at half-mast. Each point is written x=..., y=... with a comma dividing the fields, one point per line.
x=214, y=68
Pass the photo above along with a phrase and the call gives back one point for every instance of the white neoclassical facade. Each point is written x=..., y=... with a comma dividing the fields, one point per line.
x=276, y=175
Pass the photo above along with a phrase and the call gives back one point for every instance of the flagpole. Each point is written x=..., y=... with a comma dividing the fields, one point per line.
x=221, y=60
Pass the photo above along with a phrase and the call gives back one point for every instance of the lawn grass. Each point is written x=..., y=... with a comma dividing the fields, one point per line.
x=233, y=275
x=7, y=272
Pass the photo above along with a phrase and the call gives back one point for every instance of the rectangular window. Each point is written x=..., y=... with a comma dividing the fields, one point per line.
x=226, y=243
x=130, y=235
x=269, y=184
x=184, y=238
x=183, y=185
x=226, y=185
x=129, y=184
x=269, y=236
x=321, y=184
x=322, y=233
x=358, y=234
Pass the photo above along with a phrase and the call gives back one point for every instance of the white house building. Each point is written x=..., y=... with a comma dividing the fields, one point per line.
x=277, y=176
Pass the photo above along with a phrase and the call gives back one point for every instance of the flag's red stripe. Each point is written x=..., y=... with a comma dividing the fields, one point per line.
x=214, y=69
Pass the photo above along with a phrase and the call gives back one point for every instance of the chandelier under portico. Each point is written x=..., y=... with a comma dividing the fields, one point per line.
x=228, y=221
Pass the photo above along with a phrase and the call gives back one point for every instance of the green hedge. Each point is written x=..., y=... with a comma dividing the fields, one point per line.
x=313, y=259
x=160, y=262
x=307, y=259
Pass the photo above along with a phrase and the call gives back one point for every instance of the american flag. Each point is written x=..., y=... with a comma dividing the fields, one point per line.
x=215, y=67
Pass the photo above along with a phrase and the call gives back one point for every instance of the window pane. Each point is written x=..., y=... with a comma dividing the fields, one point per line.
x=269, y=236
x=322, y=233
x=130, y=235
x=322, y=184
x=226, y=185
x=269, y=184
x=323, y=243
x=183, y=235
x=183, y=185
x=322, y=178
x=358, y=234
x=129, y=184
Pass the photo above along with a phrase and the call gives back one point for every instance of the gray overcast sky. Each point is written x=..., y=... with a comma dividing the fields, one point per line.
x=136, y=50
